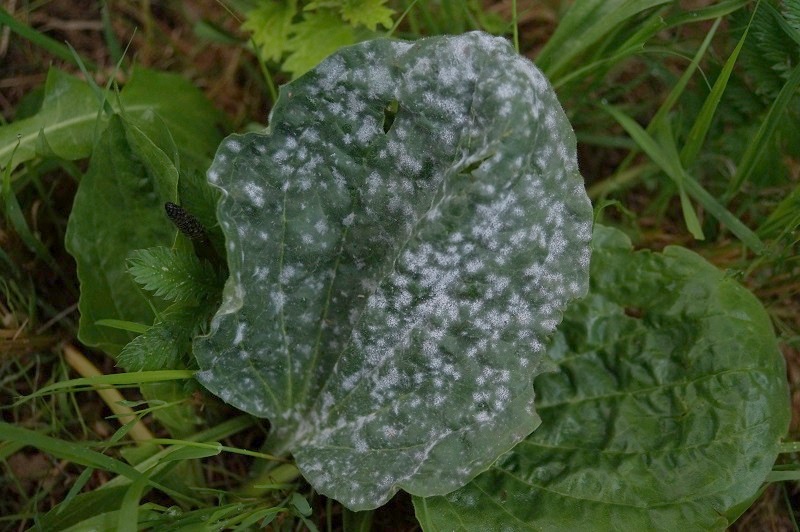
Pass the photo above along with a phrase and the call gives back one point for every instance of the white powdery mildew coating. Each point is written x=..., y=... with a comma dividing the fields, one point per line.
x=398, y=304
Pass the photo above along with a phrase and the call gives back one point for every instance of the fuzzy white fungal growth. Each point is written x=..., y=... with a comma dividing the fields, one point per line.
x=395, y=286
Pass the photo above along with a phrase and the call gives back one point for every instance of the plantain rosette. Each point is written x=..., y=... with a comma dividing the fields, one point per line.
x=401, y=242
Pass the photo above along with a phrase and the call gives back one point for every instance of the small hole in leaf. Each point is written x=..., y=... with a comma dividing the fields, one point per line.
x=389, y=114
x=634, y=312
x=469, y=169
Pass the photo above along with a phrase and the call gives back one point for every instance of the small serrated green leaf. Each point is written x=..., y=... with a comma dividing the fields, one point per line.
x=173, y=274
x=328, y=33
x=163, y=344
x=367, y=13
x=158, y=348
x=271, y=24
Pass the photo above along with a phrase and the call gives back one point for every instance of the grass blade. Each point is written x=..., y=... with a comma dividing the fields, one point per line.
x=119, y=380
x=76, y=453
x=123, y=325
x=670, y=100
x=755, y=148
x=128, y=517
x=583, y=26
x=697, y=135
x=40, y=39
x=675, y=171
x=15, y=216
x=785, y=217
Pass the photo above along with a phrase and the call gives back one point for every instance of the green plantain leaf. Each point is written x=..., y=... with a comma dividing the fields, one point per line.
x=401, y=242
x=129, y=175
x=165, y=131
x=69, y=121
x=65, y=98
x=665, y=413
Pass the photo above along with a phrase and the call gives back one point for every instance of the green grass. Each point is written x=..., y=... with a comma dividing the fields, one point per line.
x=687, y=130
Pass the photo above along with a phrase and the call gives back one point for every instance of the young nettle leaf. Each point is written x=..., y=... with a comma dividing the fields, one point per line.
x=160, y=347
x=401, y=242
x=164, y=344
x=173, y=274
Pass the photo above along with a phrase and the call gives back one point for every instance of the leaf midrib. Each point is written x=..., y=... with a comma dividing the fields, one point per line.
x=28, y=139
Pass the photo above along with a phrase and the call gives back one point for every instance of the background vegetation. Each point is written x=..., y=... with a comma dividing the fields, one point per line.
x=652, y=88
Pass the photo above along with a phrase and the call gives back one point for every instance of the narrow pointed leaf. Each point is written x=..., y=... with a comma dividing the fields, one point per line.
x=401, y=242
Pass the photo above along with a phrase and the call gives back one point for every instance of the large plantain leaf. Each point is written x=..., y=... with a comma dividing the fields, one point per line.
x=128, y=174
x=665, y=413
x=394, y=276
x=146, y=155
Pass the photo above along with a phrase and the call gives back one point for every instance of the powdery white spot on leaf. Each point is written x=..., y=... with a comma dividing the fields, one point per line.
x=396, y=285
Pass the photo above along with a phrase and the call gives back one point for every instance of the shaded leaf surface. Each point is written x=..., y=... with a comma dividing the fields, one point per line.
x=166, y=131
x=665, y=413
x=393, y=277
x=70, y=123
x=65, y=98
x=122, y=178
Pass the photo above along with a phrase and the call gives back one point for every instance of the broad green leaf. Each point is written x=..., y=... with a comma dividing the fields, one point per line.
x=153, y=100
x=394, y=275
x=70, y=121
x=167, y=131
x=125, y=176
x=67, y=117
x=665, y=413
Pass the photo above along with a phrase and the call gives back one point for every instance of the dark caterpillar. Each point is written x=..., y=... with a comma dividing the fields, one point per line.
x=188, y=224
